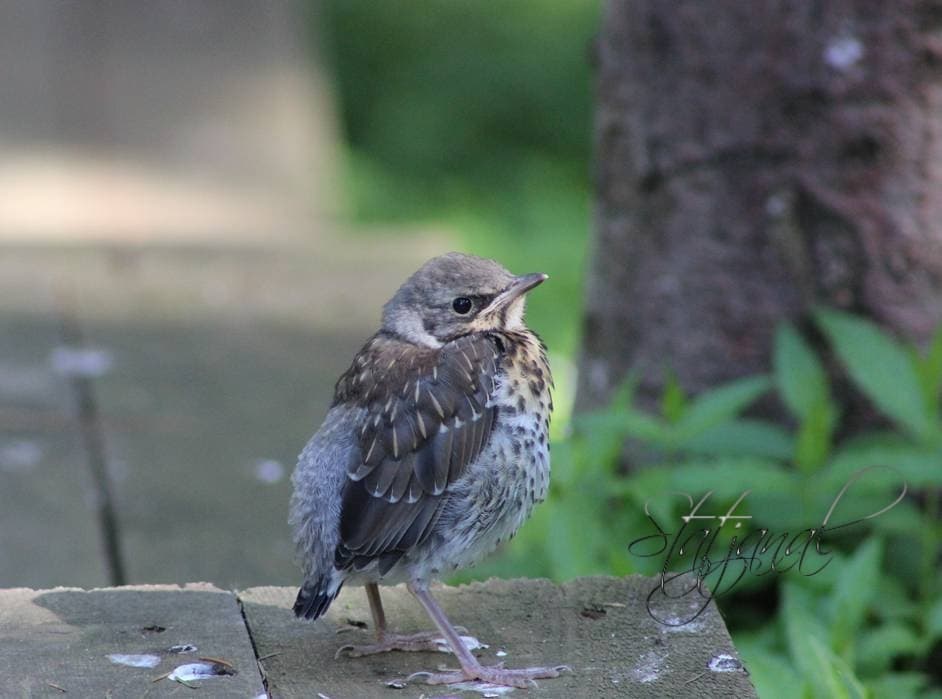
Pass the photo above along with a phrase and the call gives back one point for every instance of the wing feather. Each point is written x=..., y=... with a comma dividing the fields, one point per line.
x=428, y=416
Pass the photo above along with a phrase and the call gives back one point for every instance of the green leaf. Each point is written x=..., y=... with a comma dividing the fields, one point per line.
x=622, y=423
x=801, y=628
x=673, y=400
x=854, y=593
x=841, y=679
x=814, y=437
x=770, y=673
x=896, y=605
x=899, y=685
x=744, y=437
x=896, y=463
x=730, y=477
x=719, y=405
x=882, y=368
x=799, y=376
x=572, y=529
x=930, y=370
x=877, y=648
x=934, y=620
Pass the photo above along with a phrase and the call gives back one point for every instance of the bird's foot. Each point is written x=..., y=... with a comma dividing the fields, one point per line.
x=426, y=640
x=493, y=675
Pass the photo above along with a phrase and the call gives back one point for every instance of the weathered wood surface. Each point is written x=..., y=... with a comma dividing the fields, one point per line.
x=58, y=642
x=598, y=626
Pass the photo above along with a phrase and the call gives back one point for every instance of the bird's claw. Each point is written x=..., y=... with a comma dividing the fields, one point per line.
x=417, y=675
x=340, y=651
x=524, y=678
x=422, y=641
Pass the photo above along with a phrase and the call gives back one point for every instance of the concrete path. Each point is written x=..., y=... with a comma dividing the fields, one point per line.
x=176, y=299
x=209, y=368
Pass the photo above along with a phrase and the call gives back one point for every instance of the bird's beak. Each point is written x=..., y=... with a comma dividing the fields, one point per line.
x=518, y=287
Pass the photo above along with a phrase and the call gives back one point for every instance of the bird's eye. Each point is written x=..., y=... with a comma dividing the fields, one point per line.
x=462, y=305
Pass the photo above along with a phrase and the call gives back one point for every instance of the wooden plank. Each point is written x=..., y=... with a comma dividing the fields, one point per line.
x=59, y=642
x=598, y=626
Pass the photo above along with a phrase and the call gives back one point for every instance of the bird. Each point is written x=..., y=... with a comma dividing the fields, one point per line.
x=434, y=451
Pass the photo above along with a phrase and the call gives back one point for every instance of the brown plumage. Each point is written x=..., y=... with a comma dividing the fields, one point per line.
x=434, y=451
x=427, y=417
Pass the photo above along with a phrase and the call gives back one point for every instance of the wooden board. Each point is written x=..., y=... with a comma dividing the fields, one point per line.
x=598, y=626
x=60, y=642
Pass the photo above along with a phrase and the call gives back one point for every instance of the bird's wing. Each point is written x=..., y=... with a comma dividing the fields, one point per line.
x=428, y=416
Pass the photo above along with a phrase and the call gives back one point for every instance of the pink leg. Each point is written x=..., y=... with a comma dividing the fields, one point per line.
x=471, y=669
x=387, y=641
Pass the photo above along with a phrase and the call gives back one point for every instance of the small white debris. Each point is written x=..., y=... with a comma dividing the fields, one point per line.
x=182, y=648
x=843, y=52
x=501, y=654
x=87, y=362
x=135, y=660
x=269, y=470
x=483, y=688
x=470, y=642
x=648, y=668
x=674, y=624
x=199, y=671
x=724, y=663
x=19, y=456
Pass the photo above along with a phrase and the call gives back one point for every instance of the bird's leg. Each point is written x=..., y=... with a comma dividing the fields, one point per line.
x=376, y=610
x=388, y=641
x=471, y=669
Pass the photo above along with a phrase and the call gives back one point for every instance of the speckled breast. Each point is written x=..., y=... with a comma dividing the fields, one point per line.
x=512, y=474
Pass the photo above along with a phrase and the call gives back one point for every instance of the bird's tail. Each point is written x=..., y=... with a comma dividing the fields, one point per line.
x=315, y=597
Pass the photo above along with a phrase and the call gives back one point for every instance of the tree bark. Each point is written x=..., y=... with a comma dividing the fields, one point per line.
x=755, y=159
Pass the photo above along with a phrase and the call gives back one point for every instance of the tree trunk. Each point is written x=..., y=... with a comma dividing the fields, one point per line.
x=755, y=159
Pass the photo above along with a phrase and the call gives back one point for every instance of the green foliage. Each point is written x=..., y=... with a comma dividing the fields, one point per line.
x=444, y=91
x=864, y=623
x=475, y=120
x=884, y=370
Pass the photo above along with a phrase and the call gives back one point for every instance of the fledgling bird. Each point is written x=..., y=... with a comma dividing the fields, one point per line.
x=434, y=451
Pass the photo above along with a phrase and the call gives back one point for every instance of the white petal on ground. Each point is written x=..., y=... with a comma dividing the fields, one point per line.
x=470, y=642
x=144, y=660
x=484, y=688
x=724, y=663
x=198, y=671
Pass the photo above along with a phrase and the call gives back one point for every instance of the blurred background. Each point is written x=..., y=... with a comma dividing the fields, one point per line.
x=204, y=205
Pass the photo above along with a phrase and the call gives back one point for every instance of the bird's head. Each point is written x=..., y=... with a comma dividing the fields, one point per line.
x=456, y=294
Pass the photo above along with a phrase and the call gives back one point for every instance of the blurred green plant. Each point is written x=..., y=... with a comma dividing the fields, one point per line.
x=475, y=119
x=869, y=624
